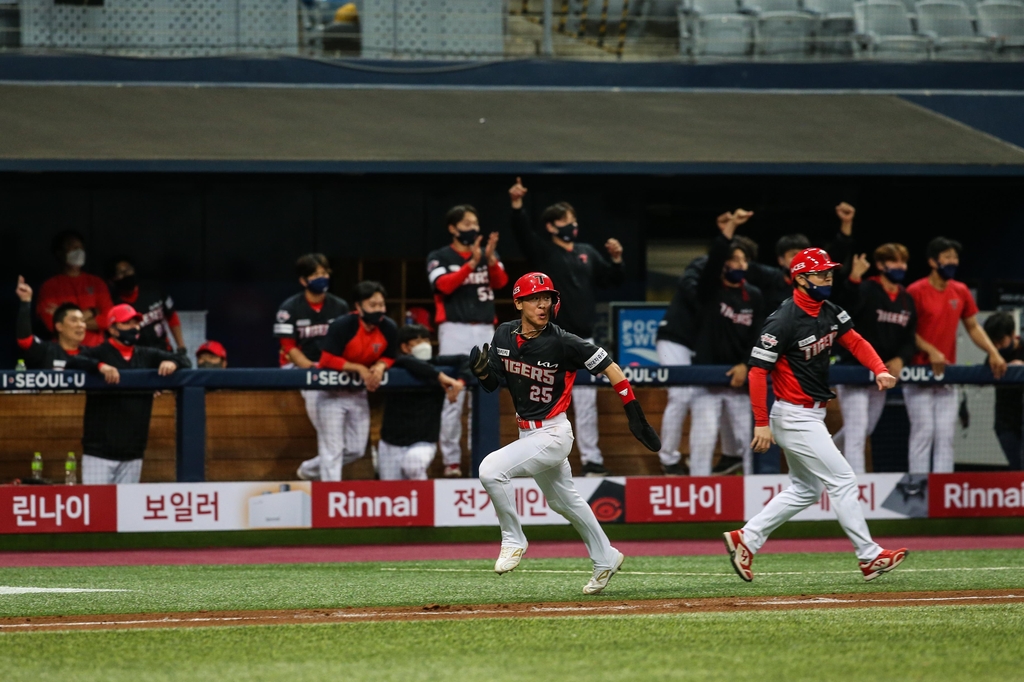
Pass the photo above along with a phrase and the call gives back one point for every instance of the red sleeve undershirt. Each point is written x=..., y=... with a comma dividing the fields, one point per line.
x=331, y=361
x=497, y=276
x=446, y=284
x=862, y=350
x=287, y=345
x=174, y=320
x=25, y=343
x=757, y=379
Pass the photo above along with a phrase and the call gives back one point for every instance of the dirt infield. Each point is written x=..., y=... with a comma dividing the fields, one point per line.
x=433, y=612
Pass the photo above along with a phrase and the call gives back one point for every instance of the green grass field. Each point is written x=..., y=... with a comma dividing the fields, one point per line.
x=934, y=642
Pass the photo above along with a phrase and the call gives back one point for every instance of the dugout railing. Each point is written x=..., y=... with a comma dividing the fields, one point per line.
x=190, y=388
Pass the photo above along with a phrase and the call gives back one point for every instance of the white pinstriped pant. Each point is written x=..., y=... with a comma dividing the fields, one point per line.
x=404, y=462
x=862, y=407
x=709, y=404
x=342, y=423
x=458, y=338
x=542, y=454
x=102, y=471
x=932, y=411
x=815, y=464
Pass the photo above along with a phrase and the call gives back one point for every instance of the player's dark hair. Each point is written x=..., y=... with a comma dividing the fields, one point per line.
x=455, y=214
x=411, y=332
x=306, y=265
x=556, y=212
x=1000, y=325
x=791, y=242
x=366, y=289
x=892, y=251
x=63, y=309
x=747, y=245
x=940, y=244
x=62, y=237
x=111, y=268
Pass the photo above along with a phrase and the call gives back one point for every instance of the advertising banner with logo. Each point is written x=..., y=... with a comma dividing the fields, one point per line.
x=149, y=507
x=636, y=330
x=671, y=500
x=983, y=494
x=881, y=496
x=464, y=502
x=58, y=509
x=370, y=504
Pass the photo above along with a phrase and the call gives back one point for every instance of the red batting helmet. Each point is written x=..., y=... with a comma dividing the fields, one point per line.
x=811, y=260
x=535, y=283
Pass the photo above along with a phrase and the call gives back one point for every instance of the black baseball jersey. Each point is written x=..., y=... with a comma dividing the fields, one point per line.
x=470, y=300
x=730, y=317
x=795, y=347
x=575, y=273
x=680, y=322
x=413, y=415
x=156, y=307
x=1010, y=399
x=306, y=327
x=888, y=324
x=116, y=424
x=40, y=354
x=540, y=372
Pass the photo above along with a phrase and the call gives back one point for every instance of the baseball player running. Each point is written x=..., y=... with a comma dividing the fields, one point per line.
x=794, y=346
x=463, y=275
x=538, y=362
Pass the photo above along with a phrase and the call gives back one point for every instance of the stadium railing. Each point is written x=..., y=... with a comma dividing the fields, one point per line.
x=190, y=388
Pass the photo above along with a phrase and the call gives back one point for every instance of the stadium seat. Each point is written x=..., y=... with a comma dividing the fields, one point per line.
x=883, y=29
x=948, y=26
x=719, y=35
x=833, y=34
x=1002, y=21
x=784, y=34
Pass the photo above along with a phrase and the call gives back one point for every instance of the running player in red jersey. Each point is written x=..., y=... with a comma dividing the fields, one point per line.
x=794, y=347
x=538, y=362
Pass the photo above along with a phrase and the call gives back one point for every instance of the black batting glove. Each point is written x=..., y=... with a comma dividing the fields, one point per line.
x=640, y=428
x=478, y=360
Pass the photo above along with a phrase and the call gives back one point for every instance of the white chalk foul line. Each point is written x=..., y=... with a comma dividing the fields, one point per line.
x=694, y=574
x=830, y=600
x=7, y=589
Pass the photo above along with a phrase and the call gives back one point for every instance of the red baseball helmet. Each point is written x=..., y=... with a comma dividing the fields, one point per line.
x=811, y=260
x=535, y=283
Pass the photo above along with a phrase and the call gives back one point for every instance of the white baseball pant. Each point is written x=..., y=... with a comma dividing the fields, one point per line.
x=932, y=411
x=710, y=404
x=584, y=415
x=404, y=462
x=102, y=471
x=815, y=464
x=458, y=338
x=679, y=400
x=541, y=453
x=862, y=407
x=342, y=423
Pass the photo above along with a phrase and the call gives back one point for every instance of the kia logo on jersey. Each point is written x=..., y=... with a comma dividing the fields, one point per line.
x=552, y=365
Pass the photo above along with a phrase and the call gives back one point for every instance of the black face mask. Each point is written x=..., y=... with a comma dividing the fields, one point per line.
x=567, y=233
x=128, y=337
x=126, y=284
x=468, y=237
x=373, y=319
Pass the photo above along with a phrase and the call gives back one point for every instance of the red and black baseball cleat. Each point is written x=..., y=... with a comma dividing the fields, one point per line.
x=883, y=563
x=740, y=555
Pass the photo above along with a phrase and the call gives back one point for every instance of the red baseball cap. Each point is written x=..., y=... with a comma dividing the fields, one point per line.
x=122, y=313
x=811, y=260
x=214, y=348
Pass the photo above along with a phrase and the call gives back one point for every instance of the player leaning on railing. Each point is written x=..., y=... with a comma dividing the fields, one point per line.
x=538, y=362
x=794, y=347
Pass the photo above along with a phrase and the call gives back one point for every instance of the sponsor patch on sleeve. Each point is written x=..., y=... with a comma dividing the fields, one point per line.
x=844, y=316
x=503, y=352
x=762, y=354
x=596, y=358
x=284, y=329
x=769, y=341
x=282, y=316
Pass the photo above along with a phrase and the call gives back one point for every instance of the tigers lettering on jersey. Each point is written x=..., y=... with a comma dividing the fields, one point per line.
x=745, y=317
x=901, y=318
x=816, y=346
x=545, y=376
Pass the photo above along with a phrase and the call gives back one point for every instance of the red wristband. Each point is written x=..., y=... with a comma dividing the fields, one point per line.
x=625, y=391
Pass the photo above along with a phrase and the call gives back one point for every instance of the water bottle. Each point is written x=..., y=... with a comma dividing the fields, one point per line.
x=70, y=470
x=20, y=367
x=37, y=467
